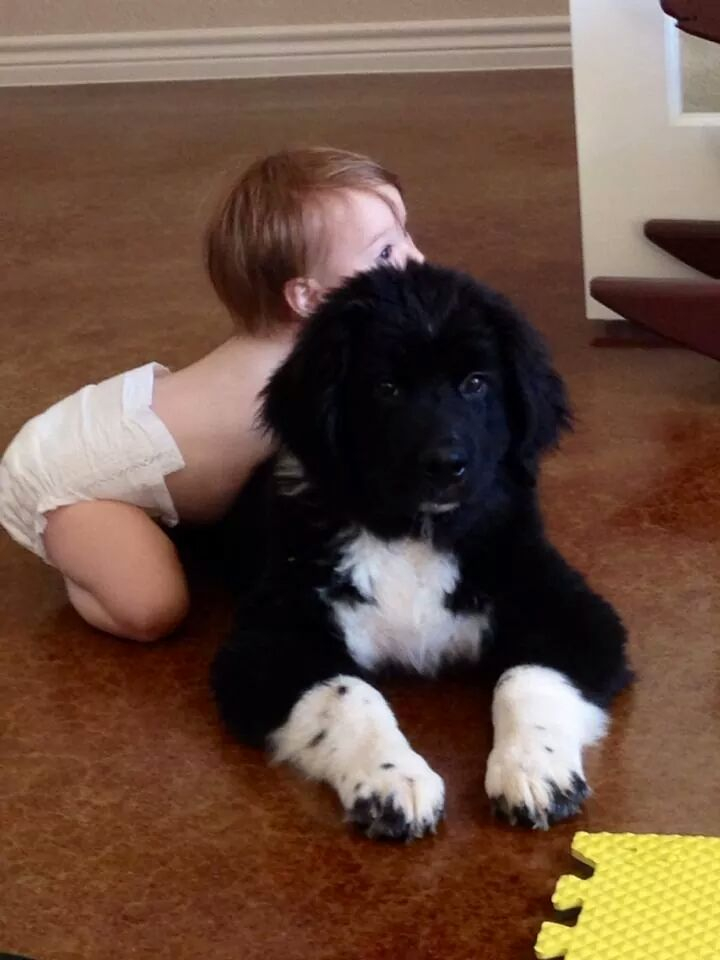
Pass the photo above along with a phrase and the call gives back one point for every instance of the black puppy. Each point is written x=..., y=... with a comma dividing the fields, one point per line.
x=401, y=527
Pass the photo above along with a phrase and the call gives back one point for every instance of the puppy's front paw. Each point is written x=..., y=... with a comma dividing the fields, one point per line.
x=396, y=798
x=531, y=783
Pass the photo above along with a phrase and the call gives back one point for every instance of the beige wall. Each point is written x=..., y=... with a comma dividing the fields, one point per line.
x=99, y=16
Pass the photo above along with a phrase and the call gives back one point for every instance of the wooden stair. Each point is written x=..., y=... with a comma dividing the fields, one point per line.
x=686, y=311
x=701, y=18
x=695, y=242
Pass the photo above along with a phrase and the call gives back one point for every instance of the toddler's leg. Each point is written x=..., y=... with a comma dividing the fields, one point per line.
x=122, y=572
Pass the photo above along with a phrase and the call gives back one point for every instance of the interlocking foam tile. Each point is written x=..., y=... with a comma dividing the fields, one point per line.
x=650, y=898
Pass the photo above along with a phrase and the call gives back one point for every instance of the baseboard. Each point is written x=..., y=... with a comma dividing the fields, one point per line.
x=412, y=46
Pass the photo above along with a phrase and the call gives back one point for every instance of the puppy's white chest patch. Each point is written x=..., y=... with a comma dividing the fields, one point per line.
x=403, y=617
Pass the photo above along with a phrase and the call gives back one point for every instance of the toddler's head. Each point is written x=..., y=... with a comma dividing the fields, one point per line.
x=297, y=223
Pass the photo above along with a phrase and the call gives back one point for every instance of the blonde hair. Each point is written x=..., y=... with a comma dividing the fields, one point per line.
x=257, y=238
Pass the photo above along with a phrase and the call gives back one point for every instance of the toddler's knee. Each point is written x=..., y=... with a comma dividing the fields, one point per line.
x=156, y=617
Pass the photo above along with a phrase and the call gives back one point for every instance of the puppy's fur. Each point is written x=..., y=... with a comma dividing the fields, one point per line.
x=401, y=527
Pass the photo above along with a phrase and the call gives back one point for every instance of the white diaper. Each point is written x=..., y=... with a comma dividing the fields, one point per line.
x=102, y=443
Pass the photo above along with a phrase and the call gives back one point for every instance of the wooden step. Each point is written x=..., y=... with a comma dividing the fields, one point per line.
x=701, y=18
x=686, y=311
x=695, y=242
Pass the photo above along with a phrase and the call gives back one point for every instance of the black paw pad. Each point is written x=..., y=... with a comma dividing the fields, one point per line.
x=563, y=804
x=380, y=819
x=566, y=803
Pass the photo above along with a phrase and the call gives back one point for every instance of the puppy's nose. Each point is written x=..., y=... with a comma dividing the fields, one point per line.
x=446, y=464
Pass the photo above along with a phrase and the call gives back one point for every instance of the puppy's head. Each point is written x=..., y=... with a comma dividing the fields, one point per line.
x=414, y=392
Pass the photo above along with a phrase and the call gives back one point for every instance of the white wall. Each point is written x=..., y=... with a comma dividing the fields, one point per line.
x=99, y=16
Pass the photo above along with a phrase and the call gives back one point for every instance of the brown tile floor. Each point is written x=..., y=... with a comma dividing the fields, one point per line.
x=131, y=826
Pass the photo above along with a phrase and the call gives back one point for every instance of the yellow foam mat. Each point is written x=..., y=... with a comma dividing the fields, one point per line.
x=650, y=898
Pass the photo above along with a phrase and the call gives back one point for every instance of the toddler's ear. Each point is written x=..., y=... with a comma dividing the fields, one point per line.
x=302, y=295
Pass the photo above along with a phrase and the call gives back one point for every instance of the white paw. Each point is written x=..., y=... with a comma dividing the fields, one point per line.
x=535, y=781
x=342, y=731
x=393, y=796
x=542, y=723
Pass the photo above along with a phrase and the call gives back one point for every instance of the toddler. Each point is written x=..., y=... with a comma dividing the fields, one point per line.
x=84, y=484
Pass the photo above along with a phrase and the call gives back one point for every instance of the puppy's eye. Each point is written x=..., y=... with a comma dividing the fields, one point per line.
x=387, y=390
x=473, y=385
x=385, y=254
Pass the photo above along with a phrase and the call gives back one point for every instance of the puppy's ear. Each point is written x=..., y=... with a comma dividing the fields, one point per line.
x=301, y=400
x=536, y=394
